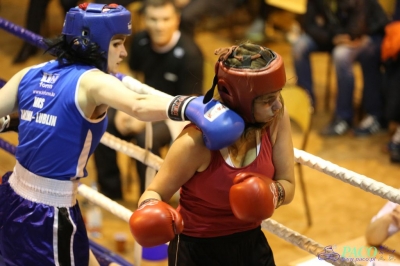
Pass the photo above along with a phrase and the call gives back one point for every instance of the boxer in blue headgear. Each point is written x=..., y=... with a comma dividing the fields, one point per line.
x=91, y=26
x=87, y=32
x=62, y=106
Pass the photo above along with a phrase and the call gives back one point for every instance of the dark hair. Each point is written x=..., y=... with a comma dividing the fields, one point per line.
x=80, y=50
x=158, y=3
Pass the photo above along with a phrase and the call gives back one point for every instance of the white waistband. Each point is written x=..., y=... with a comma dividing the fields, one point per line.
x=43, y=190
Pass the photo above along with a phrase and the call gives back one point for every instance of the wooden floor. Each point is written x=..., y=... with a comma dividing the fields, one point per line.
x=340, y=212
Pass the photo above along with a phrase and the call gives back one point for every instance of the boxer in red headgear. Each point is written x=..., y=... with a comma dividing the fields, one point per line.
x=225, y=194
x=240, y=85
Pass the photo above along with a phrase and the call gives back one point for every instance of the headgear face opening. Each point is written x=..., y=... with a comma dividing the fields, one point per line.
x=240, y=86
x=97, y=23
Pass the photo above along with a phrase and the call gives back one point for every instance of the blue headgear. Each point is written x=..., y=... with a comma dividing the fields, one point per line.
x=96, y=23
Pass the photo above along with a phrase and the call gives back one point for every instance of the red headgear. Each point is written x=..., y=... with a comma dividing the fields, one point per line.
x=239, y=86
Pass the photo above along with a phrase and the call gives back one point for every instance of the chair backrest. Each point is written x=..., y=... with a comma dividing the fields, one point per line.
x=298, y=104
x=295, y=6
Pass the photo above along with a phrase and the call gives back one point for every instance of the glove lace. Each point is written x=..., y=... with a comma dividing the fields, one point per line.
x=147, y=201
x=281, y=194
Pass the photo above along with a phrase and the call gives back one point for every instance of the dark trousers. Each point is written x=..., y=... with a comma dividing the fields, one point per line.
x=34, y=18
x=392, y=91
x=108, y=173
x=195, y=10
x=367, y=55
x=392, y=82
x=161, y=138
x=37, y=12
x=248, y=248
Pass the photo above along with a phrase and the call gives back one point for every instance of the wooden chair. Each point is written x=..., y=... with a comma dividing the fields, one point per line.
x=298, y=104
x=328, y=83
x=327, y=87
x=137, y=18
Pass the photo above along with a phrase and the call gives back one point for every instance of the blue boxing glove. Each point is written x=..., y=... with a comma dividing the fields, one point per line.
x=221, y=126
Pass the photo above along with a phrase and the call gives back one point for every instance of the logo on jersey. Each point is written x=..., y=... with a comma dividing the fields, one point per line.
x=40, y=118
x=38, y=102
x=48, y=80
x=26, y=115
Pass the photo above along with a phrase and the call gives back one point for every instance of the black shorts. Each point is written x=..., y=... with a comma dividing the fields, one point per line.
x=248, y=248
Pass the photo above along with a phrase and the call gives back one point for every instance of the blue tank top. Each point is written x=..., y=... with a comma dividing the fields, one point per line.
x=55, y=138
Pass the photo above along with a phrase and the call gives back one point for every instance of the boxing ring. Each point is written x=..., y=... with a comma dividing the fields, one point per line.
x=295, y=238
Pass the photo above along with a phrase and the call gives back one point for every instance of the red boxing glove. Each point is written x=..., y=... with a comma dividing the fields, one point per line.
x=155, y=223
x=253, y=197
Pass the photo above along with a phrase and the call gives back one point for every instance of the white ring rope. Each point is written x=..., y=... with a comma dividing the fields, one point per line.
x=105, y=202
x=274, y=227
x=298, y=240
x=132, y=150
x=312, y=161
x=271, y=225
x=347, y=176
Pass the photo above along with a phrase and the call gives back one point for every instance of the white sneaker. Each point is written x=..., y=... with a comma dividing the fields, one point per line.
x=368, y=126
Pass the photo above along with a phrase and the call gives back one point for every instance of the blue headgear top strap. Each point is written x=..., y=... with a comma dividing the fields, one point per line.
x=98, y=23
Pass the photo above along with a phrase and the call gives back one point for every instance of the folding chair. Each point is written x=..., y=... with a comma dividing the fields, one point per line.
x=298, y=104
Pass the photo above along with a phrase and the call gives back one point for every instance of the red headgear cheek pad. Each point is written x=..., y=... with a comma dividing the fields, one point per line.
x=238, y=87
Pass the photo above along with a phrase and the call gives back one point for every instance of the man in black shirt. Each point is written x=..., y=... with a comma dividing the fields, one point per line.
x=165, y=59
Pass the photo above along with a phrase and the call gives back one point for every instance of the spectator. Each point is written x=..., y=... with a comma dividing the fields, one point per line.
x=262, y=28
x=390, y=57
x=256, y=31
x=105, y=158
x=166, y=60
x=34, y=18
x=192, y=11
x=383, y=225
x=350, y=31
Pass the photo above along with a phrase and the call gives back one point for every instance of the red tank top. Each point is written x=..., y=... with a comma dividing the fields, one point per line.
x=204, y=199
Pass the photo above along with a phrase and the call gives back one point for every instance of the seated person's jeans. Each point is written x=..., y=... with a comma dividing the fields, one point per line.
x=343, y=57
